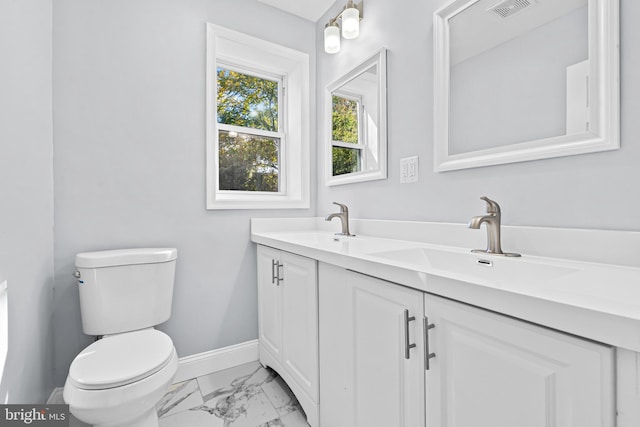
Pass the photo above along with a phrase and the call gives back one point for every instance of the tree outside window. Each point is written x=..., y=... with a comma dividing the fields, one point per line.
x=345, y=135
x=249, y=137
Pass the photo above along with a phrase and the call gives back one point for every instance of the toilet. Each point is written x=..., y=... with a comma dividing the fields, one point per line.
x=118, y=380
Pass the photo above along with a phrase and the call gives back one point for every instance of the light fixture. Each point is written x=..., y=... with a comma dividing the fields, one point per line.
x=350, y=16
x=350, y=21
x=332, y=37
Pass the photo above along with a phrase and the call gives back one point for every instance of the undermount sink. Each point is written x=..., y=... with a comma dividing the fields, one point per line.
x=475, y=267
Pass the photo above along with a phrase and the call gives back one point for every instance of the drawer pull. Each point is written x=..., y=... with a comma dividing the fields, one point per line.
x=427, y=354
x=274, y=264
x=279, y=277
x=407, y=345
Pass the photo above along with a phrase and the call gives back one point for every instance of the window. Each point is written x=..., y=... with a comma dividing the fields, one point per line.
x=249, y=131
x=257, y=123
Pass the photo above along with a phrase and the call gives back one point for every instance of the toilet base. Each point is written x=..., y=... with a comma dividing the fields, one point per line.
x=131, y=405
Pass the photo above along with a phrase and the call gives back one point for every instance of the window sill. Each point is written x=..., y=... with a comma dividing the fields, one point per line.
x=265, y=202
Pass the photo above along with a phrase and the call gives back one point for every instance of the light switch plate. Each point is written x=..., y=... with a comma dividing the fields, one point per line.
x=409, y=169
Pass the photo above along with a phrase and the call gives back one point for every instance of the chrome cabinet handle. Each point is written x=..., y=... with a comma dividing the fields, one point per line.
x=427, y=355
x=274, y=263
x=407, y=346
x=278, y=276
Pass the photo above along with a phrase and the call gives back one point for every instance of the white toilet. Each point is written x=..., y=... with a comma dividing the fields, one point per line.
x=118, y=380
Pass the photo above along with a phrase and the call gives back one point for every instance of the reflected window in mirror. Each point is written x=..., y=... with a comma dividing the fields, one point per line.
x=356, y=119
x=346, y=131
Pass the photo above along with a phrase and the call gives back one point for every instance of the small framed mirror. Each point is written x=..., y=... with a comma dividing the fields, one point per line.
x=519, y=80
x=356, y=118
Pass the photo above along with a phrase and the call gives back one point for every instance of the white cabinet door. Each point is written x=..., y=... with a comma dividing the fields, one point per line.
x=300, y=320
x=288, y=323
x=269, y=301
x=367, y=378
x=494, y=371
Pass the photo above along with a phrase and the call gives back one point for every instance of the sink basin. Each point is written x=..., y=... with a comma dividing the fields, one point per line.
x=478, y=268
x=329, y=241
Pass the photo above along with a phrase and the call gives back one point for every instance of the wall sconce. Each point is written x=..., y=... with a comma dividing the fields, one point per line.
x=350, y=16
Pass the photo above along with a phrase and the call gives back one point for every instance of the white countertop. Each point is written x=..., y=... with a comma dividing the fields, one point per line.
x=594, y=300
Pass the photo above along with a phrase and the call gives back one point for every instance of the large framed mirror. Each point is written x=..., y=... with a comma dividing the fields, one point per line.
x=356, y=118
x=519, y=80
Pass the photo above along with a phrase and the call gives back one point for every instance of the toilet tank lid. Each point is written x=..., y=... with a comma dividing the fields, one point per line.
x=117, y=257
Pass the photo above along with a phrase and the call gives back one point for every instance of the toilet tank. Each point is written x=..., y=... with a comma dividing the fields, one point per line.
x=126, y=289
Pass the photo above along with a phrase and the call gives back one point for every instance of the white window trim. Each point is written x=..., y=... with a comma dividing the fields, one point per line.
x=229, y=47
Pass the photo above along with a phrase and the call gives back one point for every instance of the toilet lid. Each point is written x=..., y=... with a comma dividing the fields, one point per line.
x=121, y=359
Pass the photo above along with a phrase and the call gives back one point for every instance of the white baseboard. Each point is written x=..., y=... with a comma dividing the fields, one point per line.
x=197, y=365
x=216, y=360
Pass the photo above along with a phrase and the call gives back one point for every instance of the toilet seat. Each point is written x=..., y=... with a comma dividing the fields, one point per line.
x=122, y=359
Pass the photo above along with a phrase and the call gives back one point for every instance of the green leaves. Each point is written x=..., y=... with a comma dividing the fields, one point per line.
x=344, y=128
x=344, y=120
x=345, y=160
x=247, y=101
x=247, y=162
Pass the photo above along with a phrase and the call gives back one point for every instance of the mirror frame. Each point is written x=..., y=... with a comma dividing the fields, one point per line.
x=604, y=64
x=380, y=60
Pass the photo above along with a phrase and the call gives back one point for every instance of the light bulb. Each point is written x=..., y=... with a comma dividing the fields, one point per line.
x=332, y=38
x=350, y=23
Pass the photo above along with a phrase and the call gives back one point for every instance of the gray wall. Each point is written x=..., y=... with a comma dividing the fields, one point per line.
x=527, y=99
x=128, y=84
x=592, y=190
x=129, y=132
x=26, y=196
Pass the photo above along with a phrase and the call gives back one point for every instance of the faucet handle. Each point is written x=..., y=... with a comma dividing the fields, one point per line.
x=492, y=207
x=343, y=208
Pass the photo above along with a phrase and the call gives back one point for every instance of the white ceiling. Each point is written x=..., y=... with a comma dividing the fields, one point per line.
x=311, y=10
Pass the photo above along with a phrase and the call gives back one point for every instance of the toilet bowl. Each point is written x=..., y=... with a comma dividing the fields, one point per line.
x=117, y=381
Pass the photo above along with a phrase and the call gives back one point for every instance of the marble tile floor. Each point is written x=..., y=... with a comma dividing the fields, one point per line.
x=243, y=396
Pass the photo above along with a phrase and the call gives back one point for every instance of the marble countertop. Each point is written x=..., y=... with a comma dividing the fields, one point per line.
x=594, y=300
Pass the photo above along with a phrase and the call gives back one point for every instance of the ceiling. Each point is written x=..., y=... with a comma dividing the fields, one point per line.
x=475, y=29
x=311, y=10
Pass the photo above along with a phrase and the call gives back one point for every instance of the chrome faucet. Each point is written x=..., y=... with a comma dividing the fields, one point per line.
x=344, y=218
x=492, y=222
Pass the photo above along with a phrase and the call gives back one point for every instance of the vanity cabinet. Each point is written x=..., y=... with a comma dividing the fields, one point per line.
x=371, y=351
x=491, y=370
x=486, y=369
x=288, y=322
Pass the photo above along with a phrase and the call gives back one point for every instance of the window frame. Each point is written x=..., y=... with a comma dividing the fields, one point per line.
x=249, y=55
